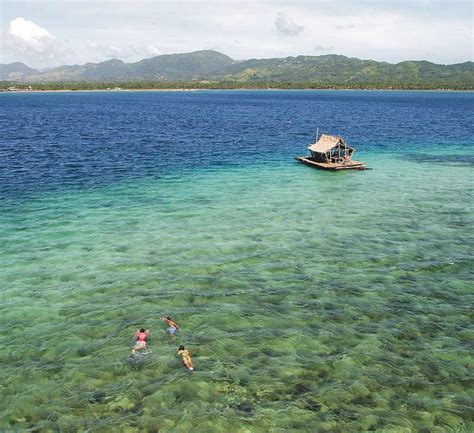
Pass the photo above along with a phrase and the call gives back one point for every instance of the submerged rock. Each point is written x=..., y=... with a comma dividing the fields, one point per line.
x=253, y=355
x=301, y=388
x=344, y=414
x=97, y=397
x=86, y=350
x=49, y=416
x=311, y=404
x=245, y=407
x=364, y=401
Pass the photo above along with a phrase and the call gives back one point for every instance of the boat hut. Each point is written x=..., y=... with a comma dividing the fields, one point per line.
x=331, y=152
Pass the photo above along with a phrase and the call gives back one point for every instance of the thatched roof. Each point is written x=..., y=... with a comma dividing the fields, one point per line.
x=325, y=143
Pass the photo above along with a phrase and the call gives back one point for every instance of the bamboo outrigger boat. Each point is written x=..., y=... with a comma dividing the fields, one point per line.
x=331, y=152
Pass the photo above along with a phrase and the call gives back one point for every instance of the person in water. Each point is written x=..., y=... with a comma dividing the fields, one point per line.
x=186, y=357
x=141, y=339
x=172, y=326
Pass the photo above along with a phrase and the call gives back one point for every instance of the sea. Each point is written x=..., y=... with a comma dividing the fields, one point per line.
x=310, y=301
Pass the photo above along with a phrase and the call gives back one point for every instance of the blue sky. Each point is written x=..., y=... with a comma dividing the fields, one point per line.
x=46, y=33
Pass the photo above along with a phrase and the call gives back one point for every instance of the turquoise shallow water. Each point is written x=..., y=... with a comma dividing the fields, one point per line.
x=310, y=301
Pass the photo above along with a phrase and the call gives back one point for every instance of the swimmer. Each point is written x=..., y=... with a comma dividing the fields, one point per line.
x=172, y=326
x=141, y=339
x=186, y=356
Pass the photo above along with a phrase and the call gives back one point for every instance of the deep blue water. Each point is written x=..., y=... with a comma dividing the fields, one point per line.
x=58, y=141
x=311, y=301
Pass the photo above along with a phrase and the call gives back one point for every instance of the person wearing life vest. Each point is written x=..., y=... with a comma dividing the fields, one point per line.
x=141, y=340
x=186, y=357
x=172, y=326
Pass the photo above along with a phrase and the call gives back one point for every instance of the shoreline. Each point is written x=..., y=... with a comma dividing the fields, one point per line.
x=230, y=89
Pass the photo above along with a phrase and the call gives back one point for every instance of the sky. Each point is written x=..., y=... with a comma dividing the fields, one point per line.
x=45, y=33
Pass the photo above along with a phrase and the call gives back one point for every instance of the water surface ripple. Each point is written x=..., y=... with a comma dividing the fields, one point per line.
x=310, y=301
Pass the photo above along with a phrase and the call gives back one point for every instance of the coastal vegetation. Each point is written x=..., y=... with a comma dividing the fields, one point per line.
x=213, y=70
x=216, y=85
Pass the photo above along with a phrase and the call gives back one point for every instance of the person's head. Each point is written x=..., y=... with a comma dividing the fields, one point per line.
x=168, y=318
x=181, y=347
x=142, y=330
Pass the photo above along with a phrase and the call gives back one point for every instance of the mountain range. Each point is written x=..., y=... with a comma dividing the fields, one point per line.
x=208, y=65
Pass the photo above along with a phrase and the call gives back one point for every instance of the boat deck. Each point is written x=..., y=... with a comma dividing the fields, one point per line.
x=348, y=165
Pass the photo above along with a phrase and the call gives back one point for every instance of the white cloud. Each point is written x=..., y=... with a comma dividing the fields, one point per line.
x=29, y=33
x=28, y=38
x=286, y=26
x=132, y=30
x=130, y=52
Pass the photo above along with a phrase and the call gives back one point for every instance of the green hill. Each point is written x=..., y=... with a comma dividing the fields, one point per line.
x=341, y=70
x=16, y=72
x=169, y=67
x=212, y=66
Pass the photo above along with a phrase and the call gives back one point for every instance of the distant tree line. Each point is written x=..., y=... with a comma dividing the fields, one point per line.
x=157, y=85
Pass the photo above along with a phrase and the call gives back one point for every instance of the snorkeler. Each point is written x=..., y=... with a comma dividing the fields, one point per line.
x=186, y=356
x=172, y=326
x=141, y=339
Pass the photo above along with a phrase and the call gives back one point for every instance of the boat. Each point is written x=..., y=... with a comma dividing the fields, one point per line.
x=331, y=152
